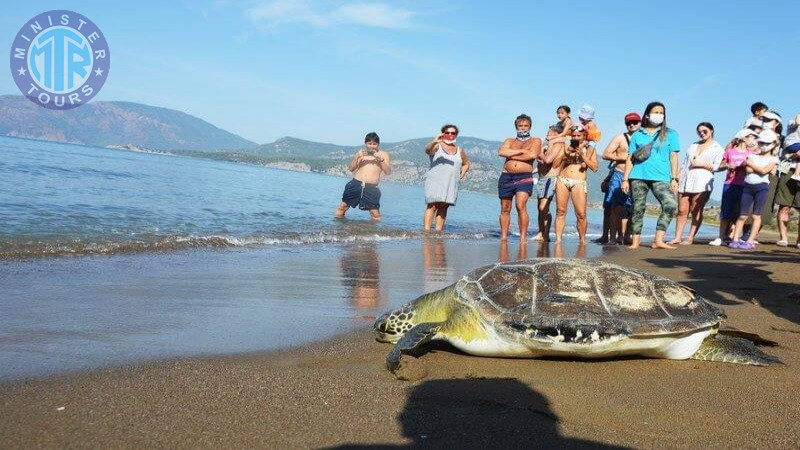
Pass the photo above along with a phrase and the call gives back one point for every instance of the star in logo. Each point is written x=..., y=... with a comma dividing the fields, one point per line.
x=98, y=72
x=21, y=71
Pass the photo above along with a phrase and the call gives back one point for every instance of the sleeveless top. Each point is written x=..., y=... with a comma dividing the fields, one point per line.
x=443, y=176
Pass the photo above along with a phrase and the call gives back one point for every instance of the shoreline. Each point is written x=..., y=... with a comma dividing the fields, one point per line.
x=337, y=392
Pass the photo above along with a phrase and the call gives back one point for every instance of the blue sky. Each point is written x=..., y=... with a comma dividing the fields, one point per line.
x=332, y=71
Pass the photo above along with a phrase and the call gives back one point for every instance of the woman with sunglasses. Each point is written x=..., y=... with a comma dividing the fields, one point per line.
x=448, y=166
x=697, y=181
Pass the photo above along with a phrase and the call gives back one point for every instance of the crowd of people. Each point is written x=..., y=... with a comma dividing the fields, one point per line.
x=760, y=164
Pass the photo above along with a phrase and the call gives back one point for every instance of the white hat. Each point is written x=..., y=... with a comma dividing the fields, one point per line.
x=769, y=115
x=743, y=133
x=754, y=122
x=767, y=136
x=586, y=112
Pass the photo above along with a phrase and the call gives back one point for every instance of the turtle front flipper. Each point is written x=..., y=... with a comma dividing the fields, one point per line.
x=732, y=350
x=413, y=339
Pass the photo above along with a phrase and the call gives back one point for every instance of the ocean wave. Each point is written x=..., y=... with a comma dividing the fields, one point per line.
x=78, y=247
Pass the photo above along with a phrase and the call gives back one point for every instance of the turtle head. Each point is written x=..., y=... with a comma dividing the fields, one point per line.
x=434, y=307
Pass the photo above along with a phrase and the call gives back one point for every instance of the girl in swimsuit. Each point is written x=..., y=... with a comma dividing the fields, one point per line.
x=558, y=133
x=571, y=182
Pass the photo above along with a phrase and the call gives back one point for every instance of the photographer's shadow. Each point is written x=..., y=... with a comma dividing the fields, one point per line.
x=479, y=413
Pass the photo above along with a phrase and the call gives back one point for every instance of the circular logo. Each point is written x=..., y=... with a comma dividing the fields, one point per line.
x=60, y=59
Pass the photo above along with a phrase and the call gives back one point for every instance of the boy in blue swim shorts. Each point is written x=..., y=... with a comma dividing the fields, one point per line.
x=367, y=165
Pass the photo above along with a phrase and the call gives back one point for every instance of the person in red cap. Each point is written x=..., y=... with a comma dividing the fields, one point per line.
x=617, y=204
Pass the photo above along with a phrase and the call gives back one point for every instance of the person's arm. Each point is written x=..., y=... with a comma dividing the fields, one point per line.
x=590, y=158
x=626, y=184
x=355, y=161
x=674, y=170
x=506, y=151
x=761, y=170
x=551, y=155
x=430, y=148
x=610, y=153
x=465, y=164
x=530, y=153
x=383, y=159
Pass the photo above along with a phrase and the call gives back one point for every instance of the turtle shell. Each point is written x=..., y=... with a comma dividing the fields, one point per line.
x=588, y=295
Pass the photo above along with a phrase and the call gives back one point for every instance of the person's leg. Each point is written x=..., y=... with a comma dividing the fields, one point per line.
x=341, y=210
x=522, y=214
x=441, y=216
x=607, y=227
x=427, y=221
x=578, y=195
x=614, y=224
x=745, y=204
x=375, y=214
x=737, y=228
x=562, y=196
x=783, y=222
x=684, y=203
x=505, y=217
x=546, y=217
x=698, y=204
x=638, y=189
x=758, y=208
x=669, y=206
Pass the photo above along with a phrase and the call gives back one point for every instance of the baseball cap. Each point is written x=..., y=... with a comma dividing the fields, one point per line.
x=586, y=112
x=767, y=136
x=632, y=117
x=743, y=133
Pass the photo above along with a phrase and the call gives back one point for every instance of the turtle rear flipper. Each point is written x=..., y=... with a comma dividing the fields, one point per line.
x=413, y=339
x=733, y=350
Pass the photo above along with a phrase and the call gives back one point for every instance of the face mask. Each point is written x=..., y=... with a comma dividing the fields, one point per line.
x=656, y=119
x=523, y=135
x=765, y=148
x=750, y=142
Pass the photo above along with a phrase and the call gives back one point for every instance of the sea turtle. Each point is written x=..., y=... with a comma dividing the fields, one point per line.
x=568, y=308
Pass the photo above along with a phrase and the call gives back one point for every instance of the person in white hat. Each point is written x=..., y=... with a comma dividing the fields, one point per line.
x=743, y=144
x=756, y=187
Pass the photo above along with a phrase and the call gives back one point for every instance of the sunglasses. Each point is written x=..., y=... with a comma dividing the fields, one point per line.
x=450, y=133
x=703, y=132
x=628, y=124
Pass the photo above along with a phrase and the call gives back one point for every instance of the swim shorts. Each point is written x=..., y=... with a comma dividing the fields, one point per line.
x=511, y=183
x=365, y=196
x=546, y=187
x=614, y=195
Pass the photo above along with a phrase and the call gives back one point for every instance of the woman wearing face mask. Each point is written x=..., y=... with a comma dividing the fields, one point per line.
x=697, y=181
x=743, y=144
x=756, y=185
x=448, y=166
x=658, y=172
x=771, y=121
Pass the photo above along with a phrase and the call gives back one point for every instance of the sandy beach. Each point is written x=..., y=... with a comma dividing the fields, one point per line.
x=338, y=393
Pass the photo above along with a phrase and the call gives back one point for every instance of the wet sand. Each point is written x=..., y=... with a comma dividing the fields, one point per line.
x=338, y=393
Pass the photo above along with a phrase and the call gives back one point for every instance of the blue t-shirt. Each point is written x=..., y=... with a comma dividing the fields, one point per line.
x=657, y=166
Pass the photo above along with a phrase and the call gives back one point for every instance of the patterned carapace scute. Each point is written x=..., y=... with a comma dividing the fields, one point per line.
x=575, y=292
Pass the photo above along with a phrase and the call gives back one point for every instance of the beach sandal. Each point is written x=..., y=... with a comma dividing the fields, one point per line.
x=716, y=242
x=746, y=246
x=734, y=244
x=782, y=243
x=798, y=245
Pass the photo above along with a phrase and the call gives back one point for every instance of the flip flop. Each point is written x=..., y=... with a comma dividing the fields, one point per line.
x=782, y=243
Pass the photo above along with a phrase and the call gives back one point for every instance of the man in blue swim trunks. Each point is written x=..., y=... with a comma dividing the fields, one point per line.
x=516, y=182
x=367, y=165
x=617, y=203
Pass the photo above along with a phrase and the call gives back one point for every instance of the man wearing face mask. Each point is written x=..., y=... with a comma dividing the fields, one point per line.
x=516, y=181
x=652, y=166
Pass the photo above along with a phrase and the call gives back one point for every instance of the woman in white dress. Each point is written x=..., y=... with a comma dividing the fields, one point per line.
x=448, y=166
x=697, y=181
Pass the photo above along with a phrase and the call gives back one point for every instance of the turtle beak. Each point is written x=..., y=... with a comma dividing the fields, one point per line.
x=383, y=331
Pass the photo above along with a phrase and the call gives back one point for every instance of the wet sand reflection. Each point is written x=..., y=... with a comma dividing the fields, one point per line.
x=361, y=275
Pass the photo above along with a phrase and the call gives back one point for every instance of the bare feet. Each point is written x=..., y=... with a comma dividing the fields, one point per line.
x=674, y=241
x=538, y=237
x=582, y=241
x=661, y=245
x=687, y=242
x=601, y=240
x=558, y=240
x=633, y=246
x=503, y=238
x=523, y=239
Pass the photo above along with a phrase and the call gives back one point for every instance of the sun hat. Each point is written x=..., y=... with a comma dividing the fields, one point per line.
x=769, y=115
x=754, y=122
x=743, y=133
x=633, y=117
x=586, y=112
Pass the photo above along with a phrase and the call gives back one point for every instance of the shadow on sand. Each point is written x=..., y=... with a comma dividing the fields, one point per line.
x=479, y=413
x=730, y=279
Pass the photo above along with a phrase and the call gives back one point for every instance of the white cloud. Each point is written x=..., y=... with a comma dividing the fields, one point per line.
x=378, y=15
